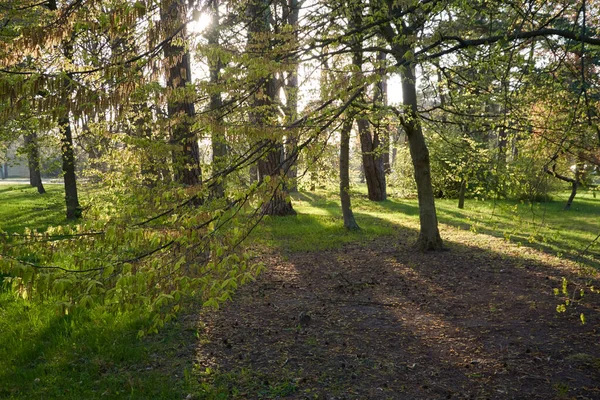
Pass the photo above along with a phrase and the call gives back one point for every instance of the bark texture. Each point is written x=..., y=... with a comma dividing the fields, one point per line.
x=429, y=235
x=218, y=140
x=373, y=162
x=291, y=93
x=461, y=193
x=74, y=210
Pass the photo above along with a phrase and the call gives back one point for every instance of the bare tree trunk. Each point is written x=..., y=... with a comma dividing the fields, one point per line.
x=279, y=203
x=461, y=193
x=574, y=186
x=372, y=162
x=186, y=156
x=292, y=100
x=74, y=210
x=575, y=182
x=429, y=235
x=33, y=158
x=349, y=221
x=381, y=98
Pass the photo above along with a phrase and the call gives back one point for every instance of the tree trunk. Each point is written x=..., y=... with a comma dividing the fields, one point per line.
x=291, y=95
x=279, y=203
x=33, y=157
x=369, y=143
x=429, y=235
x=574, y=186
x=381, y=98
x=186, y=155
x=74, y=210
x=253, y=174
x=372, y=162
x=461, y=193
x=349, y=221
x=263, y=113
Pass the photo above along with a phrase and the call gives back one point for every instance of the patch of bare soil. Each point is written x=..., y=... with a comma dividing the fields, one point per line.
x=380, y=321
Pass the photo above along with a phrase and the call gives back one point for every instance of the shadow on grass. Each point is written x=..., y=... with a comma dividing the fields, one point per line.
x=25, y=208
x=387, y=322
x=551, y=236
x=89, y=356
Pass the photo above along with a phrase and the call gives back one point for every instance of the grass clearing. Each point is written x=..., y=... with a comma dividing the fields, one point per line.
x=90, y=354
x=544, y=226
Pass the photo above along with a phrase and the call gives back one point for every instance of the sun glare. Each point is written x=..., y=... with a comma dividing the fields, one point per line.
x=200, y=23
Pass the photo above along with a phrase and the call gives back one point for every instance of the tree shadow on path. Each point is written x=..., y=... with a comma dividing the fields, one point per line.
x=380, y=321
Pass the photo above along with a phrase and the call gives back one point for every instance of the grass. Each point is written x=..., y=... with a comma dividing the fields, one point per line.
x=544, y=226
x=91, y=354
x=87, y=355
x=22, y=207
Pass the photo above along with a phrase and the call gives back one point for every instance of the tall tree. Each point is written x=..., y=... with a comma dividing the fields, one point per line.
x=292, y=12
x=180, y=102
x=218, y=139
x=263, y=112
x=74, y=209
x=370, y=142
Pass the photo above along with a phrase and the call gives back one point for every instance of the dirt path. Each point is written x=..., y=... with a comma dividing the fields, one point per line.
x=380, y=321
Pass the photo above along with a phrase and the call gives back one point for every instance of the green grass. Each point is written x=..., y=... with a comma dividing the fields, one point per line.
x=22, y=207
x=87, y=355
x=92, y=354
x=544, y=226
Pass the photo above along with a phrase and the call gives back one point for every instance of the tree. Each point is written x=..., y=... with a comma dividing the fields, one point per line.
x=74, y=209
x=370, y=142
x=264, y=109
x=180, y=106
x=218, y=140
x=349, y=221
x=33, y=159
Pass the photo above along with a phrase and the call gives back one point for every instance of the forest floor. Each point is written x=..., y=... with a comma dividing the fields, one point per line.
x=381, y=321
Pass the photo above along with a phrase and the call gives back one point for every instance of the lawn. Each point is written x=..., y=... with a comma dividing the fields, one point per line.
x=542, y=226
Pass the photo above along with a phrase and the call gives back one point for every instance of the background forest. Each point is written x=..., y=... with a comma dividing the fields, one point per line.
x=184, y=132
